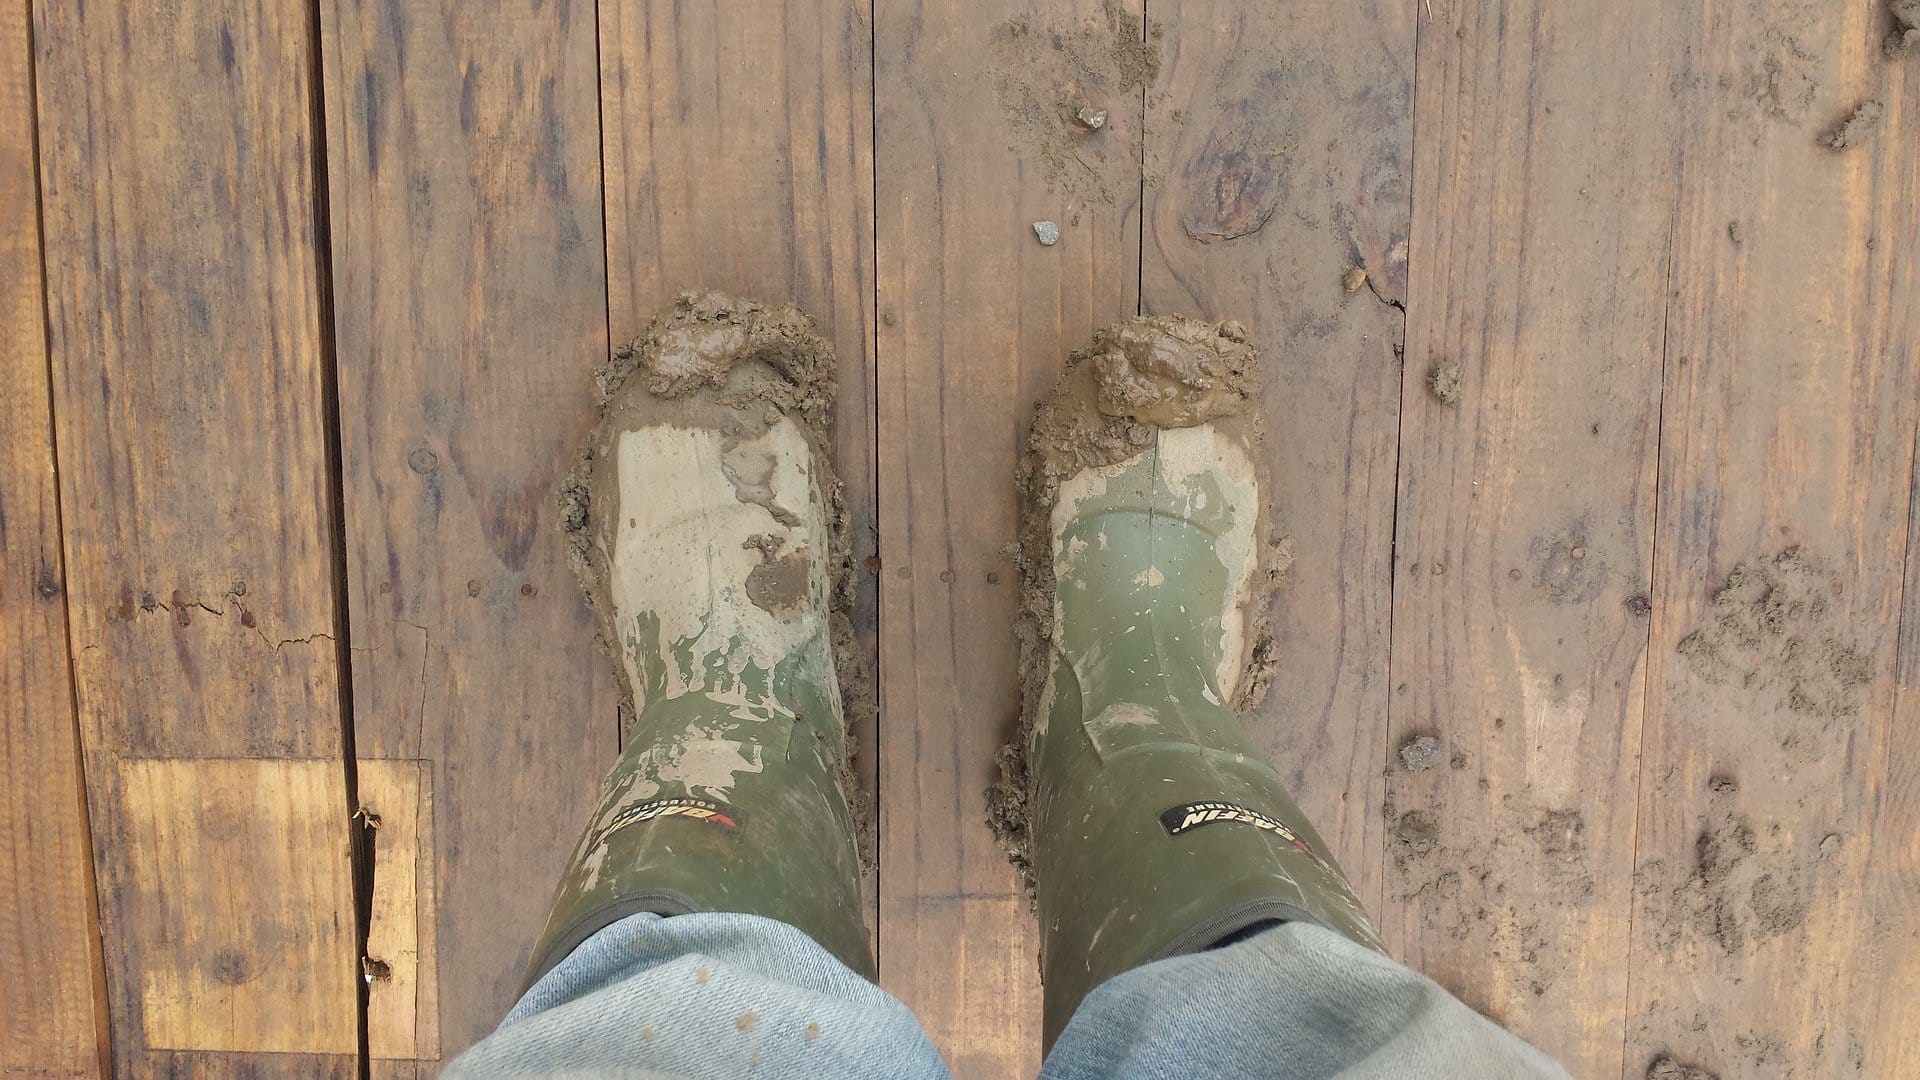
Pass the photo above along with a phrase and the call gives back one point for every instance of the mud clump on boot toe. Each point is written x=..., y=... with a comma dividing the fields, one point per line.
x=714, y=361
x=1169, y=373
x=1138, y=377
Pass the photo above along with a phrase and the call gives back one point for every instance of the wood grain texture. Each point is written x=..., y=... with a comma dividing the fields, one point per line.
x=976, y=320
x=470, y=310
x=183, y=307
x=1538, y=271
x=52, y=1001
x=1679, y=812
x=1776, y=923
x=1893, y=830
x=1274, y=166
x=739, y=157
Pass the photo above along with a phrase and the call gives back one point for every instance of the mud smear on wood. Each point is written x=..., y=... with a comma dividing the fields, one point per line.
x=1455, y=880
x=1138, y=377
x=735, y=366
x=1046, y=76
x=1771, y=689
x=1780, y=76
x=1858, y=129
x=1746, y=882
x=1770, y=632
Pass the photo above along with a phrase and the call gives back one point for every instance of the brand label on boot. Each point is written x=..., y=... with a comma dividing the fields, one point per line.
x=704, y=810
x=1189, y=816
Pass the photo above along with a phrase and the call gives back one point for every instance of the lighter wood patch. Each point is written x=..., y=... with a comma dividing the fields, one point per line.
x=240, y=897
x=403, y=1001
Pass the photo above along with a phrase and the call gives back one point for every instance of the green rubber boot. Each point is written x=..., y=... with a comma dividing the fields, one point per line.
x=1155, y=826
x=705, y=524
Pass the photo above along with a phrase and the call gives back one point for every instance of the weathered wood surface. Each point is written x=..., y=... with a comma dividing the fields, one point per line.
x=1776, y=925
x=468, y=267
x=1675, y=817
x=1275, y=166
x=183, y=302
x=739, y=157
x=976, y=319
x=1525, y=517
x=1886, y=1002
x=52, y=1003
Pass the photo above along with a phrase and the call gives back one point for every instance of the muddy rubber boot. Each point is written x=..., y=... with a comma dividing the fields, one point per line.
x=706, y=525
x=1156, y=828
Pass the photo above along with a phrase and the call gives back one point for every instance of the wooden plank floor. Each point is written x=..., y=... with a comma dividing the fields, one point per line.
x=1602, y=474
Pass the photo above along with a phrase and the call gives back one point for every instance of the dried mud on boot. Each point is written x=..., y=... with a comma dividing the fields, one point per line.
x=735, y=366
x=1138, y=377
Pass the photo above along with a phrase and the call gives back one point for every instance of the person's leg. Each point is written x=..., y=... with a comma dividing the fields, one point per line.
x=703, y=995
x=705, y=522
x=1155, y=827
x=1293, y=999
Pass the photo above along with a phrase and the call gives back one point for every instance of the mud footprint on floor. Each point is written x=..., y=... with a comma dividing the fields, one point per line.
x=1772, y=634
x=1045, y=75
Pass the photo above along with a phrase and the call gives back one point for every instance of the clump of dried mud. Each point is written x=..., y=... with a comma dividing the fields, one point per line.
x=1138, y=376
x=1906, y=29
x=1665, y=1067
x=1856, y=129
x=737, y=366
x=1746, y=882
x=1422, y=752
x=1735, y=893
x=1045, y=75
x=1444, y=382
x=1770, y=632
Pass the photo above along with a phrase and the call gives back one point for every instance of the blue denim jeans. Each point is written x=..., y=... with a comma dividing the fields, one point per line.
x=722, y=995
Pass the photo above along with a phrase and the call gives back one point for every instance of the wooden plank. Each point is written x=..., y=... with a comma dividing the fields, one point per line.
x=739, y=157
x=183, y=306
x=219, y=852
x=403, y=1003
x=52, y=1001
x=1893, y=901
x=976, y=319
x=1545, y=189
x=1276, y=164
x=469, y=312
x=1776, y=930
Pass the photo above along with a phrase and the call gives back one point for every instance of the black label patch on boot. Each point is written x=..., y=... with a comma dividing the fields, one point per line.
x=1189, y=816
x=701, y=810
